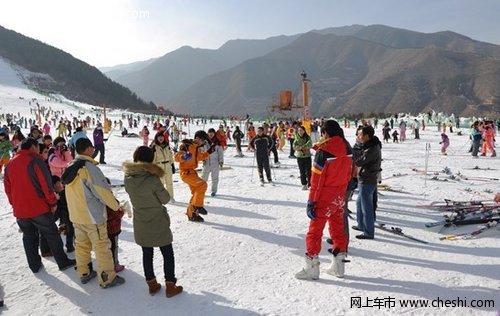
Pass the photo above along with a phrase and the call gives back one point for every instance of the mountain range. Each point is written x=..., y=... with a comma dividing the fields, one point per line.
x=51, y=70
x=353, y=69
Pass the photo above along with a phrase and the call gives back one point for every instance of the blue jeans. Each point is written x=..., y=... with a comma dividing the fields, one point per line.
x=365, y=212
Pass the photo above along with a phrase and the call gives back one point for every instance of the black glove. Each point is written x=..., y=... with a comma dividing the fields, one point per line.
x=173, y=168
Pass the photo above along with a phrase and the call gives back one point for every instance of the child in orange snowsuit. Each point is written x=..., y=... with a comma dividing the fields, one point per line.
x=189, y=155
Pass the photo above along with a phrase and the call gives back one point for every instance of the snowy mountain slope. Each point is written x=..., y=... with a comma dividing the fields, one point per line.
x=242, y=260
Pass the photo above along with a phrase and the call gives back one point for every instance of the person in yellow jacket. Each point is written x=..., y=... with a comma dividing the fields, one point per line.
x=189, y=155
x=281, y=136
x=87, y=195
x=164, y=159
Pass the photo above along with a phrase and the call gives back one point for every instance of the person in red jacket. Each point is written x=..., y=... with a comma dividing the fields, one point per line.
x=114, y=225
x=28, y=185
x=331, y=172
x=221, y=136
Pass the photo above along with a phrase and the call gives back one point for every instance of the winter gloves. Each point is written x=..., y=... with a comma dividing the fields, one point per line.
x=187, y=156
x=310, y=210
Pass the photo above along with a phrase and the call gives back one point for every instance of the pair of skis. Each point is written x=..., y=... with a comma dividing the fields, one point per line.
x=467, y=218
x=488, y=227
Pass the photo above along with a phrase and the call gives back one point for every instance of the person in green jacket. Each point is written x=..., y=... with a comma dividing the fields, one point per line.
x=302, y=146
x=151, y=221
x=5, y=149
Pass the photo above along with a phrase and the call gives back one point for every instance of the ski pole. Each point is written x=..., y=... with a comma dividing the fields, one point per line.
x=274, y=173
x=427, y=152
x=253, y=164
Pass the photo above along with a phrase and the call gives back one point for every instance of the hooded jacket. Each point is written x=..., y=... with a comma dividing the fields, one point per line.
x=331, y=170
x=147, y=195
x=369, y=158
x=87, y=192
x=58, y=161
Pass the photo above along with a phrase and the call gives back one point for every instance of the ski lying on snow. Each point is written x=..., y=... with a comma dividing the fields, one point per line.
x=398, y=231
x=471, y=235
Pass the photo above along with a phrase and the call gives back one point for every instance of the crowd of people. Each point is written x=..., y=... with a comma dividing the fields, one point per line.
x=66, y=184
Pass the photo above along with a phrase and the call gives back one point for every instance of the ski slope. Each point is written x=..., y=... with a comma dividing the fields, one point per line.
x=242, y=260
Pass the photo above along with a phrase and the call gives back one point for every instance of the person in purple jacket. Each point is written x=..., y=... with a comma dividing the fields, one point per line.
x=99, y=143
x=445, y=142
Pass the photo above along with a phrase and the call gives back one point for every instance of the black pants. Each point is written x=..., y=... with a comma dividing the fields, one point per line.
x=99, y=149
x=305, y=170
x=263, y=164
x=46, y=226
x=292, y=152
x=275, y=153
x=417, y=134
x=168, y=263
x=238, y=145
x=113, y=238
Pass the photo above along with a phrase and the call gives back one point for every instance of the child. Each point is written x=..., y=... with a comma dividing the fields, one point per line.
x=445, y=142
x=395, y=136
x=114, y=229
x=62, y=214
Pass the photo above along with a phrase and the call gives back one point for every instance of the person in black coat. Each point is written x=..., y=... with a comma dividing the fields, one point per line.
x=368, y=157
x=262, y=144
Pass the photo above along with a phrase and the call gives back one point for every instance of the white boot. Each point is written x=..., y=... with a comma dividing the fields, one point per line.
x=311, y=271
x=337, y=267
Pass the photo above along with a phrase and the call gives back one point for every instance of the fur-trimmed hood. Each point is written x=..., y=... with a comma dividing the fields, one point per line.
x=132, y=169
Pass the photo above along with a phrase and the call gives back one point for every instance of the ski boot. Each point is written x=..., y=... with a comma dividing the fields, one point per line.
x=311, y=271
x=337, y=267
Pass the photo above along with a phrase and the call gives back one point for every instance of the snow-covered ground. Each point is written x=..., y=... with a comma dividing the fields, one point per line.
x=242, y=260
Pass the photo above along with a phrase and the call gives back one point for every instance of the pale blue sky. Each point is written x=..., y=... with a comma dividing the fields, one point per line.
x=110, y=32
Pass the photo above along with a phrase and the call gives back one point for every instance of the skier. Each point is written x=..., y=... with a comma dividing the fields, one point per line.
x=416, y=126
x=189, y=155
x=261, y=144
x=386, y=132
x=302, y=146
x=445, y=142
x=476, y=137
x=165, y=160
x=238, y=136
x=214, y=162
x=99, y=143
x=395, y=136
x=488, y=139
x=331, y=172
x=402, y=131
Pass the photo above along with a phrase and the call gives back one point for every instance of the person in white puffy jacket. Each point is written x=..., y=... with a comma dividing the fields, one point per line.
x=214, y=162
